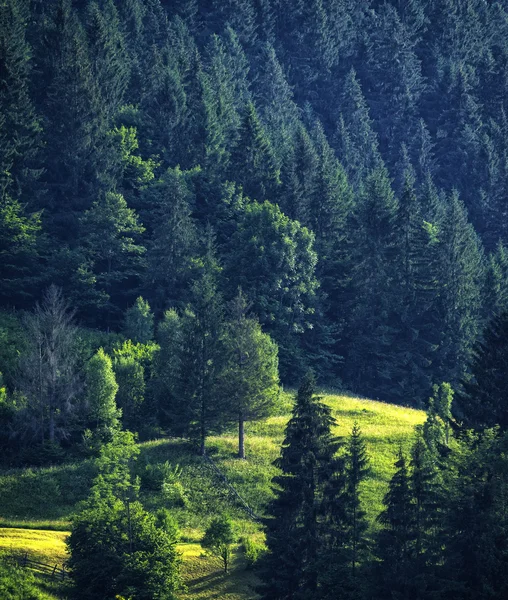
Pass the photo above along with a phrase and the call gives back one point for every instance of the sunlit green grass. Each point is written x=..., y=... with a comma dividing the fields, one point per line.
x=45, y=498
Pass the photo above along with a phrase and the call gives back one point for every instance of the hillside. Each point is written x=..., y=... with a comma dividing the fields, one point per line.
x=45, y=498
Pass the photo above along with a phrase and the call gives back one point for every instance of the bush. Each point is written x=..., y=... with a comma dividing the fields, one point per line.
x=156, y=476
x=16, y=583
x=218, y=540
x=253, y=551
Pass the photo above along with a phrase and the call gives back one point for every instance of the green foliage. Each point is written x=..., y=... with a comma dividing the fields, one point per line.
x=139, y=322
x=254, y=551
x=17, y=583
x=101, y=390
x=481, y=401
x=128, y=537
x=18, y=252
x=273, y=261
x=112, y=252
x=218, y=540
x=308, y=467
x=250, y=371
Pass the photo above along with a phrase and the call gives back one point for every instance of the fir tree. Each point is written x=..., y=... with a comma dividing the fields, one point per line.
x=307, y=462
x=481, y=402
x=253, y=163
x=139, y=322
x=20, y=126
x=395, y=544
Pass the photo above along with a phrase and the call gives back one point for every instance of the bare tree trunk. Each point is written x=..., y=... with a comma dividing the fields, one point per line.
x=241, y=436
x=51, y=426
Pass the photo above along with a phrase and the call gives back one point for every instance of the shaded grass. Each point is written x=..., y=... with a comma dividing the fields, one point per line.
x=205, y=579
x=42, y=546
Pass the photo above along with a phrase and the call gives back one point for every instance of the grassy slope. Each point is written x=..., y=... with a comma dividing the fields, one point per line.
x=45, y=498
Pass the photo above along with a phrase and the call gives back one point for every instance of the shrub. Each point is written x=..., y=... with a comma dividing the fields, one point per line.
x=253, y=551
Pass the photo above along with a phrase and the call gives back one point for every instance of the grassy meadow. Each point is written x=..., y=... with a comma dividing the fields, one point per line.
x=36, y=505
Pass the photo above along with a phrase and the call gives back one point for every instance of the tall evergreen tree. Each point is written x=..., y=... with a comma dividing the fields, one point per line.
x=395, y=544
x=253, y=164
x=20, y=126
x=372, y=359
x=307, y=462
x=201, y=355
x=74, y=123
x=111, y=250
x=355, y=139
x=481, y=402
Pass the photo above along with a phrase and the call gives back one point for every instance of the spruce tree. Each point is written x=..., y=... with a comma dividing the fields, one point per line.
x=19, y=253
x=482, y=400
x=20, y=126
x=253, y=164
x=201, y=356
x=307, y=463
x=372, y=357
x=167, y=210
x=139, y=322
x=75, y=127
x=355, y=139
x=112, y=250
x=395, y=542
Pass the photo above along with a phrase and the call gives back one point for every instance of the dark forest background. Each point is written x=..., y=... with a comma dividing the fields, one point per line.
x=345, y=163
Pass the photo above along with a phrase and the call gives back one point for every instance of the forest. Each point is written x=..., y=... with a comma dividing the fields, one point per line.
x=218, y=213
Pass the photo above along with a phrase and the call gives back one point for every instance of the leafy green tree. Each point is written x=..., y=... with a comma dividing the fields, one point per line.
x=293, y=535
x=130, y=398
x=219, y=539
x=101, y=389
x=139, y=322
x=273, y=260
x=250, y=375
x=114, y=539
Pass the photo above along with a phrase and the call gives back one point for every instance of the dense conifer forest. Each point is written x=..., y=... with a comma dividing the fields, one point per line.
x=206, y=202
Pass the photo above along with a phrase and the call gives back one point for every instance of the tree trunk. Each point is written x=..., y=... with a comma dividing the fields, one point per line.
x=241, y=436
x=51, y=426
